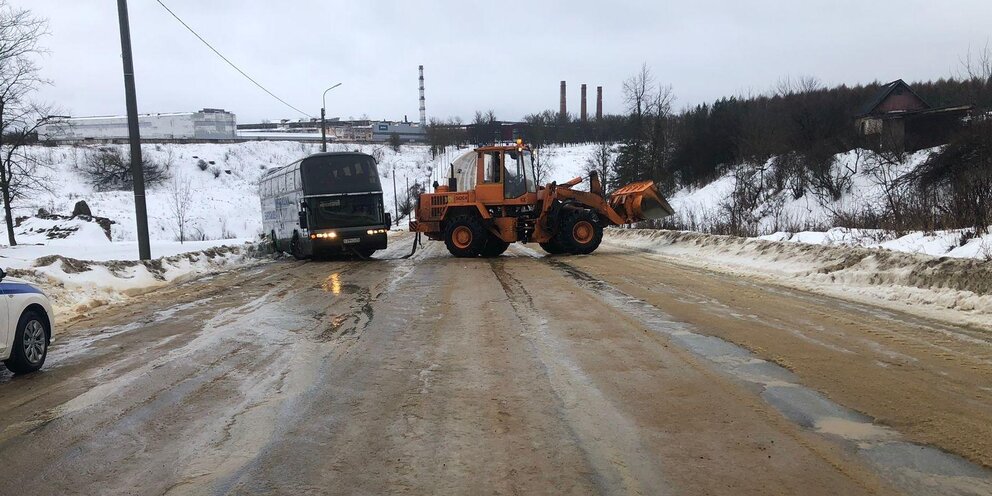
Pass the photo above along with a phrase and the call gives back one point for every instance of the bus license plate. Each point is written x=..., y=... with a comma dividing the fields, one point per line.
x=351, y=241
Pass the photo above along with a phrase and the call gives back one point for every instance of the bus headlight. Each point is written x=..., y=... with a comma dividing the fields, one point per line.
x=370, y=232
x=328, y=235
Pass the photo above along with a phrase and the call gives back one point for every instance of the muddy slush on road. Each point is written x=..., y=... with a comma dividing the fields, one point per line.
x=528, y=373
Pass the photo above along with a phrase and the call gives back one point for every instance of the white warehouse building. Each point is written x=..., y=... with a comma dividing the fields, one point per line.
x=205, y=124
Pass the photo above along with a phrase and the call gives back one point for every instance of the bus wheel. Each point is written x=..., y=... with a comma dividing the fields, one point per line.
x=465, y=237
x=296, y=248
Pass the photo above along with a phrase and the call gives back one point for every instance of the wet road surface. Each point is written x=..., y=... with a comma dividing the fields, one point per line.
x=616, y=373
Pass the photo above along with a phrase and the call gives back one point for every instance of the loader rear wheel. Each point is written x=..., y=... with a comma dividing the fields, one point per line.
x=494, y=247
x=465, y=237
x=580, y=233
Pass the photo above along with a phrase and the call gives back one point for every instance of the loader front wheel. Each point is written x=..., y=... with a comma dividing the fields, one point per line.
x=465, y=237
x=580, y=233
x=494, y=247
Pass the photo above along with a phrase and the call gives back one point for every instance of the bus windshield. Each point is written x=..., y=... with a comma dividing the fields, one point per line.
x=331, y=212
x=334, y=174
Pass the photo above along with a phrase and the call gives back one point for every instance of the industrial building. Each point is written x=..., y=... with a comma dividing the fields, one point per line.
x=207, y=124
x=407, y=132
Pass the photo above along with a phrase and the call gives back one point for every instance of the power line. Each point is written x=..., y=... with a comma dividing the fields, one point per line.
x=243, y=73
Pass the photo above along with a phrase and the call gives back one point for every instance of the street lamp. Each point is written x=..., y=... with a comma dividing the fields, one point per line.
x=323, y=118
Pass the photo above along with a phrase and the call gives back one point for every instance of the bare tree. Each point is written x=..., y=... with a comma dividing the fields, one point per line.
x=601, y=161
x=180, y=198
x=802, y=85
x=20, y=34
x=637, y=91
x=543, y=163
x=978, y=66
x=409, y=199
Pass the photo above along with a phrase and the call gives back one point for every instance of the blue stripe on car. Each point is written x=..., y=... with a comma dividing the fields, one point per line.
x=18, y=288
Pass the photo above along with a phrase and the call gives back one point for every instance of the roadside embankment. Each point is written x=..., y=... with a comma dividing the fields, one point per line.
x=957, y=290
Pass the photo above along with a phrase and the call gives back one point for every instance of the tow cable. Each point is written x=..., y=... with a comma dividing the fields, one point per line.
x=416, y=241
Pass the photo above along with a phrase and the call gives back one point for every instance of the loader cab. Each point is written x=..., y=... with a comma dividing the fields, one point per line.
x=505, y=175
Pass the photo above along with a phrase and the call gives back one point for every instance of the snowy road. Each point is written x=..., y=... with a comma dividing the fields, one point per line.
x=616, y=373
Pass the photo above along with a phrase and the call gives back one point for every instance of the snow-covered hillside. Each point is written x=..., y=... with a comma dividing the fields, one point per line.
x=814, y=219
x=227, y=204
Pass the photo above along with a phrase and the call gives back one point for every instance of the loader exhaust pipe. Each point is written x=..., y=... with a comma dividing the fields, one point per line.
x=640, y=201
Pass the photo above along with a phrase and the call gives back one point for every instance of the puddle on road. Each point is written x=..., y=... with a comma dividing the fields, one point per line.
x=913, y=468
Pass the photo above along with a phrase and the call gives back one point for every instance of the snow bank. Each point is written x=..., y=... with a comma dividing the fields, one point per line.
x=958, y=243
x=76, y=286
x=953, y=289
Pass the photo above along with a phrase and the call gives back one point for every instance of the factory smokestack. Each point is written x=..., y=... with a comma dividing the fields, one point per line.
x=423, y=106
x=563, y=111
x=599, y=103
x=582, y=110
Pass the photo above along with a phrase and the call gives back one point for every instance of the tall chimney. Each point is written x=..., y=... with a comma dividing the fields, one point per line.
x=423, y=106
x=564, y=108
x=599, y=103
x=582, y=112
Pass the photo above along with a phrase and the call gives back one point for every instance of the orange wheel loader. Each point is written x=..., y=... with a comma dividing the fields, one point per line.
x=492, y=200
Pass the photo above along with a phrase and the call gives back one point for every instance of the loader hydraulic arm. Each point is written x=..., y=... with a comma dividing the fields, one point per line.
x=632, y=203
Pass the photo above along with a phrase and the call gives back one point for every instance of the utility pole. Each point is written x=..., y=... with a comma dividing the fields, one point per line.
x=323, y=130
x=134, y=135
x=323, y=119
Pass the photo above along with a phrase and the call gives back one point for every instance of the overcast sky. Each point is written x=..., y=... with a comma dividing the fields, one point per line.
x=505, y=56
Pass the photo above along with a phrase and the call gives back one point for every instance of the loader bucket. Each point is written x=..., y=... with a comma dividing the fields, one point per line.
x=640, y=201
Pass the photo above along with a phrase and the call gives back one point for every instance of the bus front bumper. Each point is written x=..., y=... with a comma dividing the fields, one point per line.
x=345, y=239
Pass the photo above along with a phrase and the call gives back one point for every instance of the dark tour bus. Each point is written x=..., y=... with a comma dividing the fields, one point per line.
x=325, y=204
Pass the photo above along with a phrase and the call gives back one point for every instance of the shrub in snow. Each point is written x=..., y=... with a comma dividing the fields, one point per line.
x=958, y=179
x=110, y=170
x=202, y=164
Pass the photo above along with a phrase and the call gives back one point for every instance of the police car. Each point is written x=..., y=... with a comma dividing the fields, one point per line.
x=25, y=325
